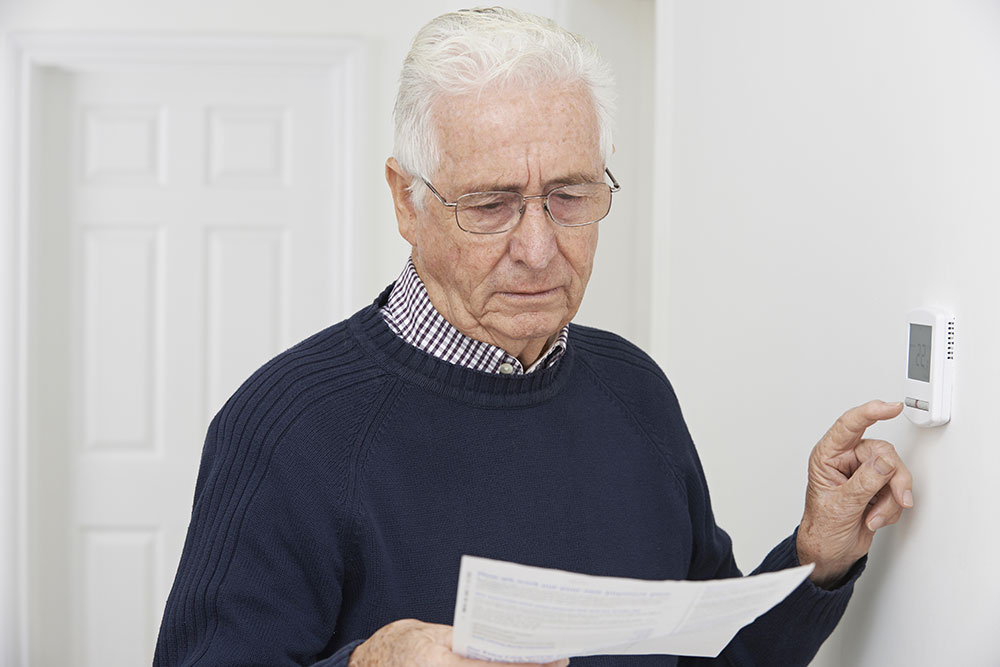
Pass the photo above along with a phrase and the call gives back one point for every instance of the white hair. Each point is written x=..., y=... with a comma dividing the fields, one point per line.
x=465, y=51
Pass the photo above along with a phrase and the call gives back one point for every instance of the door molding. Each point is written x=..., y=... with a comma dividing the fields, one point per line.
x=23, y=56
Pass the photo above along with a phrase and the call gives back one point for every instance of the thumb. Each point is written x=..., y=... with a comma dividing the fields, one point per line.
x=868, y=480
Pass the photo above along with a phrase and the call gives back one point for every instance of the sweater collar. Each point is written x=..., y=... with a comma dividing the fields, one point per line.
x=411, y=315
x=396, y=356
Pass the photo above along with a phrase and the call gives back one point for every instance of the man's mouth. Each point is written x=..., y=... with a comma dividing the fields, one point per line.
x=532, y=293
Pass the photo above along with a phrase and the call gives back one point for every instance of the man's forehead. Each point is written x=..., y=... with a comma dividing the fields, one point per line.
x=496, y=139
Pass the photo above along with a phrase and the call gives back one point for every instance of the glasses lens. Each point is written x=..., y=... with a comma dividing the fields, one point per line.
x=573, y=205
x=488, y=212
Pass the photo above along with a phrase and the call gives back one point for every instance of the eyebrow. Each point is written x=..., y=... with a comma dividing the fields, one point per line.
x=574, y=178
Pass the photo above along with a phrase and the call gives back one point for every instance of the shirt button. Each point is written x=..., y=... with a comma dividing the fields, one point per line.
x=506, y=368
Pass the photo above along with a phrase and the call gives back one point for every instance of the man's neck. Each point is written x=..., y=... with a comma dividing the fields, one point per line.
x=533, y=351
x=412, y=315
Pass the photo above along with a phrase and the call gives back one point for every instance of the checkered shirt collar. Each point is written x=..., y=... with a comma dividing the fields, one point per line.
x=410, y=314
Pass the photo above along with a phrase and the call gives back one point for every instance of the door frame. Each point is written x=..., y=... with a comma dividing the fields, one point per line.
x=22, y=58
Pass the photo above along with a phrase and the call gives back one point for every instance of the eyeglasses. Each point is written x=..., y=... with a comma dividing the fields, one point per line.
x=496, y=212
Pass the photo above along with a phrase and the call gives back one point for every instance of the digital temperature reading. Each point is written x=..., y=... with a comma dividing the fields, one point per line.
x=930, y=363
x=919, y=365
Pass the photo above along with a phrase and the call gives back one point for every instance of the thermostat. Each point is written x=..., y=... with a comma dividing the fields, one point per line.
x=930, y=366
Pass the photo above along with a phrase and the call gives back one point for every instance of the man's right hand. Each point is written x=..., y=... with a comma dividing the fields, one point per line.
x=410, y=642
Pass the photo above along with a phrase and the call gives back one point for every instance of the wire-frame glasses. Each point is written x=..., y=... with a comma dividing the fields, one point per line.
x=495, y=212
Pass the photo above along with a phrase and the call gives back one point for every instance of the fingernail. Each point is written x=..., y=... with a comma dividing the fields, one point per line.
x=882, y=466
x=875, y=523
x=907, y=498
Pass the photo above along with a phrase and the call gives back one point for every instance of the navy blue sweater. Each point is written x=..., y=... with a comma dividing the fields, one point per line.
x=343, y=481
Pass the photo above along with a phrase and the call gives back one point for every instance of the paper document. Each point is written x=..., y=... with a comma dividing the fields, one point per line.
x=517, y=613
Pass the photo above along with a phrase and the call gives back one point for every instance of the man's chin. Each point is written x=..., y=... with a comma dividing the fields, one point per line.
x=528, y=327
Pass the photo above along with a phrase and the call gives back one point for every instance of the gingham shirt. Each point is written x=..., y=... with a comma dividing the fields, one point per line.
x=411, y=315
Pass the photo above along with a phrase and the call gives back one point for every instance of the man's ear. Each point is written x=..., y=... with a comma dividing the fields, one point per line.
x=406, y=214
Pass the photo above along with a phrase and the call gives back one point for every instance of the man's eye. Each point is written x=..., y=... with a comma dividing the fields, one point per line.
x=567, y=198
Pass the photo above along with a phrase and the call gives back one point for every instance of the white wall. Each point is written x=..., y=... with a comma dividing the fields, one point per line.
x=833, y=165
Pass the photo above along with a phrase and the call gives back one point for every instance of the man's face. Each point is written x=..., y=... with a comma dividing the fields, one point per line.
x=516, y=289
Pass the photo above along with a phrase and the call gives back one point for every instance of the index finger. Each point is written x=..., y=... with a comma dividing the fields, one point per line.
x=847, y=431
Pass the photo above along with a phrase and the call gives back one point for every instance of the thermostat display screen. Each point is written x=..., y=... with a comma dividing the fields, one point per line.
x=919, y=365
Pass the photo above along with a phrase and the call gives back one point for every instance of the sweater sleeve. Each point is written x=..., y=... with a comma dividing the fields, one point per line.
x=260, y=578
x=273, y=531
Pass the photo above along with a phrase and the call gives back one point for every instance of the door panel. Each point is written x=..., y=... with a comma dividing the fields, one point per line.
x=182, y=234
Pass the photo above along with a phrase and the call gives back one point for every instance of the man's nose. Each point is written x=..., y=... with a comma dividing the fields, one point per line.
x=533, y=241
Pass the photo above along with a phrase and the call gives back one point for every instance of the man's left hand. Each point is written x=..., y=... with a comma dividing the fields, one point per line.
x=856, y=486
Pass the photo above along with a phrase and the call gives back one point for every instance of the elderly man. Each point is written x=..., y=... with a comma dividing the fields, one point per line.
x=461, y=413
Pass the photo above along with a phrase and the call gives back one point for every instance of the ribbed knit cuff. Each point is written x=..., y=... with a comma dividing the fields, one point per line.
x=791, y=633
x=341, y=657
x=824, y=606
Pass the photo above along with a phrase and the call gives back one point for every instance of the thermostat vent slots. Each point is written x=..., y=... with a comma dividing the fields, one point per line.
x=951, y=340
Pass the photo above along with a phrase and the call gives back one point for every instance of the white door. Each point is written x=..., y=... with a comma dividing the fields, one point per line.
x=183, y=231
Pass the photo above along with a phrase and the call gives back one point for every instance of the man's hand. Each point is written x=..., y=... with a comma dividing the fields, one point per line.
x=412, y=643
x=856, y=486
